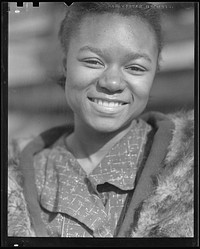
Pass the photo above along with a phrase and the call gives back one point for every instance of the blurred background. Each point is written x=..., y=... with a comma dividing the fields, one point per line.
x=36, y=102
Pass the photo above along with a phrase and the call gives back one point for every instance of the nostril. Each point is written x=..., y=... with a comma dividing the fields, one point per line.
x=108, y=90
x=111, y=82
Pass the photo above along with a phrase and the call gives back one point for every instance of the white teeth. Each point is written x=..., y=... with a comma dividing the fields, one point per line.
x=112, y=104
x=117, y=104
x=106, y=103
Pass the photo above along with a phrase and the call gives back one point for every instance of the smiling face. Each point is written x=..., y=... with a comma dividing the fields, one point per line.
x=111, y=64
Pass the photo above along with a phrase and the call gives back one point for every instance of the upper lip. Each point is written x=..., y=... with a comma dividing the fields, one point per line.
x=109, y=99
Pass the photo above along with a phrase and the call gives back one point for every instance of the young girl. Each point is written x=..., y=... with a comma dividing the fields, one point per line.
x=115, y=173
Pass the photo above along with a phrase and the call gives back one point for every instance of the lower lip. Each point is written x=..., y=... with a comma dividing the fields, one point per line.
x=107, y=109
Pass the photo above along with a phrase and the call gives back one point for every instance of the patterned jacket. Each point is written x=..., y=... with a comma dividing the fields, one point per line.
x=161, y=206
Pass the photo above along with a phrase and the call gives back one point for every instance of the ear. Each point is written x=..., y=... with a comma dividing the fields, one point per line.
x=64, y=65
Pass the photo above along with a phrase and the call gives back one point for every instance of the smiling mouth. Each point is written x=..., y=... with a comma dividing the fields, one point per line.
x=106, y=103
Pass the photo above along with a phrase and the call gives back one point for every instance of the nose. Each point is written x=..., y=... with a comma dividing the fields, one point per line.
x=111, y=81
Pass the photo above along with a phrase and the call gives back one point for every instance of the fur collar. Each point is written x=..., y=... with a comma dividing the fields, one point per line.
x=168, y=212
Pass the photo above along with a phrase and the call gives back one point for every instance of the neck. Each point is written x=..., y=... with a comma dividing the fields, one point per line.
x=85, y=142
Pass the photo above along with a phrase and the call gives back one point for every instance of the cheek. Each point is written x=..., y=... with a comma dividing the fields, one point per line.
x=80, y=79
x=142, y=90
x=74, y=85
x=140, y=86
x=75, y=91
x=71, y=91
x=73, y=79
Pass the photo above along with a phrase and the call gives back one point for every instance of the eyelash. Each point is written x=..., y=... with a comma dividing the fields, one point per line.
x=94, y=62
x=138, y=69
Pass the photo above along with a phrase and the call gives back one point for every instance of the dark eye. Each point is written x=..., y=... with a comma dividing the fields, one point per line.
x=136, y=69
x=93, y=63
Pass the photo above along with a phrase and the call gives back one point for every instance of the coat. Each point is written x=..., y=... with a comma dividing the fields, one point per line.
x=163, y=201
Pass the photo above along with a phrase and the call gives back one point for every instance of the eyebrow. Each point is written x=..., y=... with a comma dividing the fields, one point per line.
x=130, y=56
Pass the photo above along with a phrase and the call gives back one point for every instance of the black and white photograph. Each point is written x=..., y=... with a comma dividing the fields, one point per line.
x=100, y=124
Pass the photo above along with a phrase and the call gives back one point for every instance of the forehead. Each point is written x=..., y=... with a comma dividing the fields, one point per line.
x=110, y=29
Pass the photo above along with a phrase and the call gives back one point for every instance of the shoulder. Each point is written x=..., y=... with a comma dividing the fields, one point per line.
x=180, y=126
x=168, y=211
x=22, y=150
x=182, y=142
x=184, y=121
x=15, y=147
x=19, y=223
x=18, y=218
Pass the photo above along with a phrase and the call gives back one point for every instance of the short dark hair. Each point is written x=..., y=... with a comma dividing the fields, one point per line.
x=76, y=11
